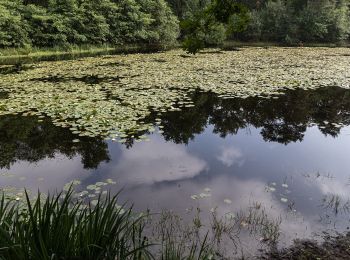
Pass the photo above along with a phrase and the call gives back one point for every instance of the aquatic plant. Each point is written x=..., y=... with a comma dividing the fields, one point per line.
x=111, y=96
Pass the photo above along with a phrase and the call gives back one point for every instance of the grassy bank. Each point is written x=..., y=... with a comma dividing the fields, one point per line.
x=15, y=56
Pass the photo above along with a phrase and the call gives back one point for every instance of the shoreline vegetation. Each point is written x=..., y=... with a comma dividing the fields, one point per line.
x=35, y=27
x=70, y=225
x=18, y=56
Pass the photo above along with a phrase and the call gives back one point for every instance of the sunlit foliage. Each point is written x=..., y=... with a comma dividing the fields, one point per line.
x=67, y=22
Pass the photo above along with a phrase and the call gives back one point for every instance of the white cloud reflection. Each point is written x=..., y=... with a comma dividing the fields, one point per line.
x=230, y=156
x=243, y=194
x=156, y=161
x=47, y=174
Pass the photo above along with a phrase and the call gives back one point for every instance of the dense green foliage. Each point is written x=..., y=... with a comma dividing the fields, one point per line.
x=63, y=23
x=210, y=25
x=285, y=21
x=48, y=23
x=296, y=22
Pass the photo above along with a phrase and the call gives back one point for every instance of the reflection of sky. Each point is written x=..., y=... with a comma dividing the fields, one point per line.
x=46, y=174
x=230, y=156
x=159, y=174
x=155, y=162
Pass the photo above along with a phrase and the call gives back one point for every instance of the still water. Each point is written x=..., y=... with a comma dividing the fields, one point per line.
x=288, y=155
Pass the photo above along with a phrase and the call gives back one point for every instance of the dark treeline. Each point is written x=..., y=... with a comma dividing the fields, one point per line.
x=284, y=21
x=49, y=23
x=298, y=21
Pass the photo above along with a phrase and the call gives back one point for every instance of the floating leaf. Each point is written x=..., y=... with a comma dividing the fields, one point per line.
x=62, y=91
x=284, y=200
x=194, y=197
x=227, y=201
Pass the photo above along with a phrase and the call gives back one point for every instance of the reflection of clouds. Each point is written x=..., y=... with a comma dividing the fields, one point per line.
x=157, y=161
x=329, y=185
x=335, y=196
x=335, y=187
x=47, y=174
x=142, y=169
x=243, y=194
x=230, y=156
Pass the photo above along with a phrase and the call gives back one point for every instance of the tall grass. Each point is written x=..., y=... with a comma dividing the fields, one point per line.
x=177, y=240
x=67, y=226
x=64, y=228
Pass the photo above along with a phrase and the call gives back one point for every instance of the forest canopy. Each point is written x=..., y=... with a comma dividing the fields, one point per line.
x=51, y=23
x=298, y=21
x=283, y=21
x=48, y=23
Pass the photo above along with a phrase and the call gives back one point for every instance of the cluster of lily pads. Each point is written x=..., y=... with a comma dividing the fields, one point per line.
x=111, y=96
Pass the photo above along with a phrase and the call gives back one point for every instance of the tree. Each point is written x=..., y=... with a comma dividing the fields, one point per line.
x=296, y=21
x=13, y=31
x=93, y=23
x=183, y=9
x=275, y=20
x=339, y=26
x=48, y=23
x=164, y=26
x=200, y=31
x=45, y=29
x=210, y=26
x=129, y=23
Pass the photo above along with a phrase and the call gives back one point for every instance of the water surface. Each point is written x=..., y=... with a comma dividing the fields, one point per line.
x=288, y=154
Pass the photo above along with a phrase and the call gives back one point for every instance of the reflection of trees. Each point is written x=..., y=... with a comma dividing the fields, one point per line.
x=24, y=138
x=282, y=120
x=180, y=127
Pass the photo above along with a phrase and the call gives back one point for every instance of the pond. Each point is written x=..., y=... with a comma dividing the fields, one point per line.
x=284, y=155
x=287, y=155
